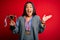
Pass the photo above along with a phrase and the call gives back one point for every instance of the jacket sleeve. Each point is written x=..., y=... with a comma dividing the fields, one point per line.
x=15, y=30
x=40, y=27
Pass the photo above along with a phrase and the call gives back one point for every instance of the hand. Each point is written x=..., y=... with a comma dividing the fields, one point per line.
x=45, y=18
x=12, y=23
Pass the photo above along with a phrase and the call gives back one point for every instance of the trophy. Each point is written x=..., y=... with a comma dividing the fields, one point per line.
x=11, y=17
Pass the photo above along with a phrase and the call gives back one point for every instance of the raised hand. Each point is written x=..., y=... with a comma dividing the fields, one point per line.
x=12, y=23
x=45, y=18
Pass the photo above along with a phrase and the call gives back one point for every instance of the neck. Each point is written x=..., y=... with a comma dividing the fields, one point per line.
x=28, y=16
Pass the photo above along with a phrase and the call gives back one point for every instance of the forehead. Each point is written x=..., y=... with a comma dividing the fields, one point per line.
x=29, y=4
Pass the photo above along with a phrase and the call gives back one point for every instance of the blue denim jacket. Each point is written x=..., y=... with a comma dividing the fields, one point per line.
x=36, y=25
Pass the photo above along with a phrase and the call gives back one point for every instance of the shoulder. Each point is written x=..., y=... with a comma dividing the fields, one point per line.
x=36, y=17
x=20, y=17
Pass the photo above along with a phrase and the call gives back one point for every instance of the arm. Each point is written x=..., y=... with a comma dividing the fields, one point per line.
x=41, y=25
x=15, y=27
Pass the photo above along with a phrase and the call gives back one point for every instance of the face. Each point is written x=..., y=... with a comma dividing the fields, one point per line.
x=29, y=9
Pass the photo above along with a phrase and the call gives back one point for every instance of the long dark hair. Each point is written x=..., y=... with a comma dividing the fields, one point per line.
x=24, y=12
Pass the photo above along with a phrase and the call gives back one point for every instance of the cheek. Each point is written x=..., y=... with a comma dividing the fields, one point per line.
x=26, y=9
x=32, y=10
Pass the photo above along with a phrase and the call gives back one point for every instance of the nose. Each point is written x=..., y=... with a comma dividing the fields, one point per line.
x=28, y=8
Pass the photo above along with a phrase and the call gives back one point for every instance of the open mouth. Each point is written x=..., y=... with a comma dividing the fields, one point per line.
x=29, y=11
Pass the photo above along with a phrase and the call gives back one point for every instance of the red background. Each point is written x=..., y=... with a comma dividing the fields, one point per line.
x=52, y=30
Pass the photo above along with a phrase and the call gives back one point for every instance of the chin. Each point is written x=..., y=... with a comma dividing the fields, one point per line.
x=29, y=15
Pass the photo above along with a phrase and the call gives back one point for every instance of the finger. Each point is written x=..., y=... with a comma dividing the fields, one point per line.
x=48, y=17
x=44, y=15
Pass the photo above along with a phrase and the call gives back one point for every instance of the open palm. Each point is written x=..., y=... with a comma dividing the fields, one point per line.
x=45, y=18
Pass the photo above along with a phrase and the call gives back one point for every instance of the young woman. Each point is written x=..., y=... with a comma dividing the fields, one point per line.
x=29, y=24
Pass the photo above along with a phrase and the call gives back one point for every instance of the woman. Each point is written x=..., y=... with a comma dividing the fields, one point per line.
x=29, y=24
